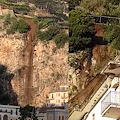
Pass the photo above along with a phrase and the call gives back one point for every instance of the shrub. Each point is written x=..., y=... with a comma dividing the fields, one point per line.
x=44, y=23
x=7, y=19
x=23, y=27
x=52, y=31
x=112, y=36
x=41, y=35
x=116, y=44
x=60, y=40
x=49, y=34
x=13, y=28
x=22, y=9
x=1, y=16
x=36, y=19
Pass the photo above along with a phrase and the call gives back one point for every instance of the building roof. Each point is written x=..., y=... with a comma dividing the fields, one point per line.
x=112, y=69
x=44, y=109
x=9, y=106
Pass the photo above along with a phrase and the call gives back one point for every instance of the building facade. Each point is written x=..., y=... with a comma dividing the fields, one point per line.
x=97, y=111
x=58, y=113
x=59, y=98
x=108, y=107
x=41, y=113
x=52, y=113
x=8, y=112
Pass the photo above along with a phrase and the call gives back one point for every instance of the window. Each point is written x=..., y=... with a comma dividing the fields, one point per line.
x=58, y=94
x=63, y=118
x=93, y=117
x=64, y=95
x=11, y=112
x=52, y=95
x=5, y=117
x=16, y=112
x=59, y=117
x=58, y=101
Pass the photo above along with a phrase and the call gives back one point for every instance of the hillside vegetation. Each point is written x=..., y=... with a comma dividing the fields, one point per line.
x=81, y=30
x=91, y=44
x=53, y=26
x=33, y=46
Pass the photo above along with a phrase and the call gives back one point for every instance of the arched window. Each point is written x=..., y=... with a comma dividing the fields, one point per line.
x=5, y=117
x=0, y=117
x=59, y=117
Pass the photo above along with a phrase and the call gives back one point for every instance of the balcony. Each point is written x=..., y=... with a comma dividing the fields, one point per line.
x=115, y=82
x=110, y=106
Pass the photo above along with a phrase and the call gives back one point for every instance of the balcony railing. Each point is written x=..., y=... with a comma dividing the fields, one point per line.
x=111, y=99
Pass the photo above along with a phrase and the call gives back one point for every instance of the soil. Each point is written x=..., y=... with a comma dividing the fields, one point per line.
x=100, y=30
x=28, y=51
x=100, y=53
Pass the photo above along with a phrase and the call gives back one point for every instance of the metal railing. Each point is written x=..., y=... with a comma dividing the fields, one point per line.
x=112, y=98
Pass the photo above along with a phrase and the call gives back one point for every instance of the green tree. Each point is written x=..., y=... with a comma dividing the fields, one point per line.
x=27, y=112
x=60, y=39
x=73, y=4
x=49, y=34
x=81, y=31
x=112, y=35
x=23, y=27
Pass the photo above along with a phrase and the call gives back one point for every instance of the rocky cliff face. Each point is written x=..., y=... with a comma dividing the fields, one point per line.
x=37, y=69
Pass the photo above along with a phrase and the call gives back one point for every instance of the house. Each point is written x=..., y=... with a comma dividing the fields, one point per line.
x=60, y=97
x=108, y=107
x=9, y=112
x=103, y=101
x=101, y=110
x=58, y=113
x=52, y=113
x=41, y=113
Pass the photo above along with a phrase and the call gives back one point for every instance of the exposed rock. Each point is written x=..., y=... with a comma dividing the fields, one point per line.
x=33, y=80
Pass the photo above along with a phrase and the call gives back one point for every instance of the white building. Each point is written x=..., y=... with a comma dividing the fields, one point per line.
x=104, y=104
x=9, y=112
x=96, y=113
x=59, y=97
x=108, y=107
